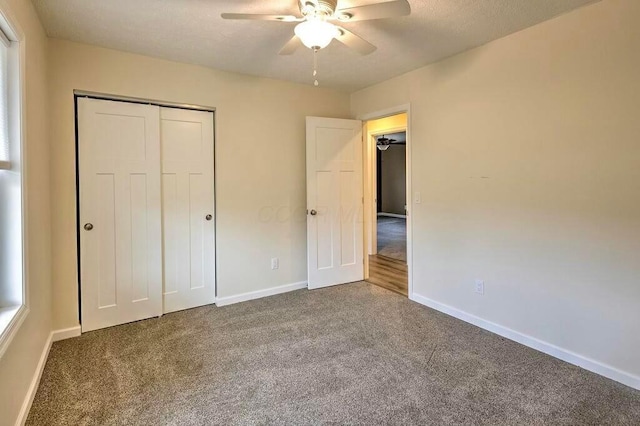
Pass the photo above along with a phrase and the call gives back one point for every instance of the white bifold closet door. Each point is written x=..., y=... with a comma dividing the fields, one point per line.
x=146, y=211
x=187, y=208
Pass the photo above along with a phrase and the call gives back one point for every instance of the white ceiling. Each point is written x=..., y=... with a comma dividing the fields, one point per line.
x=192, y=31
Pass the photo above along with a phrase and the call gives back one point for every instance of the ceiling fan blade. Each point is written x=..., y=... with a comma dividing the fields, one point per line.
x=390, y=9
x=258, y=17
x=291, y=46
x=355, y=42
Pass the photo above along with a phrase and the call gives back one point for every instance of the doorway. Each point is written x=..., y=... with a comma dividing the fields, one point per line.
x=387, y=159
x=342, y=205
x=391, y=195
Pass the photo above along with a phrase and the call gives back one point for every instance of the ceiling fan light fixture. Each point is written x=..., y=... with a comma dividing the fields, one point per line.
x=316, y=33
x=383, y=143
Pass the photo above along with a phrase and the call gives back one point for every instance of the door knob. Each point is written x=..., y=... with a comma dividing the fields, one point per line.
x=313, y=212
x=208, y=217
x=88, y=226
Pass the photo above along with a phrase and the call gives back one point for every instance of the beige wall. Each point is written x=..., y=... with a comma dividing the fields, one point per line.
x=19, y=362
x=526, y=155
x=260, y=152
x=394, y=179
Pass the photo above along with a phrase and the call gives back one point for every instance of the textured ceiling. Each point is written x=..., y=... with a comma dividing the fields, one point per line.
x=192, y=31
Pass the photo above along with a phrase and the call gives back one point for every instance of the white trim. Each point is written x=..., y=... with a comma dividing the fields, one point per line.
x=229, y=300
x=371, y=197
x=130, y=99
x=35, y=381
x=66, y=333
x=54, y=336
x=385, y=113
x=18, y=314
x=399, y=216
x=537, y=344
x=4, y=39
x=399, y=109
x=409, y=200
x=16, y=58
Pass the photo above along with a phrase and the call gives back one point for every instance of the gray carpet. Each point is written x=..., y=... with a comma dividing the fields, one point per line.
x=352, y=354
x=392, y=237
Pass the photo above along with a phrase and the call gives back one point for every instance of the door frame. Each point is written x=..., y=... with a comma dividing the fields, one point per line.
x=129, y=99
x=369, y=167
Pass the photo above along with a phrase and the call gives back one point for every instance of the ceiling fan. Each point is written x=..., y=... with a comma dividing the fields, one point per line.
x=384, y=142
x=316, y=28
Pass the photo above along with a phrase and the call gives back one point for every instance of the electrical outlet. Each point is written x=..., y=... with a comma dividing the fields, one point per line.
x=275, y=263
x=480, y=287
x=417, y=198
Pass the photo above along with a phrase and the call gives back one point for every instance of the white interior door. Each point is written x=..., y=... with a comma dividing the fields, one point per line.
x=335, y=244
x=120, y=243
x=187, y=208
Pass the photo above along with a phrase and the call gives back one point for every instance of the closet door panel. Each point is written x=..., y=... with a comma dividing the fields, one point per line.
x=120, y=212
x=188, y=208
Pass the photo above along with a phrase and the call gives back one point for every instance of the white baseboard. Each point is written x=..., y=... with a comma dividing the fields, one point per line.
x=229, y=300
x=35, y=381
x=401, y=216
x=54, y=336
x=66, y=333
x=542, y=346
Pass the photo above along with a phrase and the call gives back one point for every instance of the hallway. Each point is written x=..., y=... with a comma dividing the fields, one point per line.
x=392, y=237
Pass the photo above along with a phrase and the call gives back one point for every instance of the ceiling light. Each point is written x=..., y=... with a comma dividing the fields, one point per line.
x=383, y=143
x=316, y=33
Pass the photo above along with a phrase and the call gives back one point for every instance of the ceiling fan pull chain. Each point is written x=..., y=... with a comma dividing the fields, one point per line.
x=315, y=66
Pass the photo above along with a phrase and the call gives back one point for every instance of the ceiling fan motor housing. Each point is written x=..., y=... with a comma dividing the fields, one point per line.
x=324, y=8
x=315, y=29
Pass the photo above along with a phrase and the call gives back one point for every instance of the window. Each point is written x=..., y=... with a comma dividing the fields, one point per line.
x=5, y=44
x=13, y=306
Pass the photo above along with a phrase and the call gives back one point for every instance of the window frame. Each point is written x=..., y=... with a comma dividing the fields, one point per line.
x=12, y=317
x=4, y=41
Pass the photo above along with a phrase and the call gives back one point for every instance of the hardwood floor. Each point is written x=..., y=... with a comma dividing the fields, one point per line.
x=388, y=273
